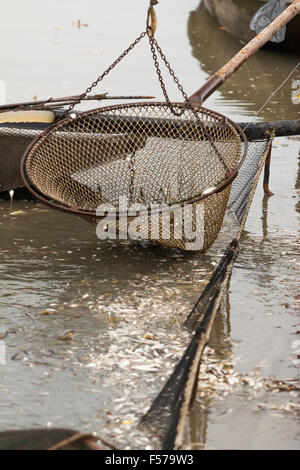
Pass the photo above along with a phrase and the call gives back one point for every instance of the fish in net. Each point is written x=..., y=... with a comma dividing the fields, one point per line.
x=140, y=152
x=167, y=414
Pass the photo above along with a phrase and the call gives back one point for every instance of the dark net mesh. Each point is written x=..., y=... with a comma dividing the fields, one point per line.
x=14, y=139
x=242, y=185
x=13, y=143
x=166, y=416
x=127, y=164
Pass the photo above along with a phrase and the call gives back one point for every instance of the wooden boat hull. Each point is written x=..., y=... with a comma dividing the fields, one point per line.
x=235, y=16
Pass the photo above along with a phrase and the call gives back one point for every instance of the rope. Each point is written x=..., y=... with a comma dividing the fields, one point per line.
x=272, y=94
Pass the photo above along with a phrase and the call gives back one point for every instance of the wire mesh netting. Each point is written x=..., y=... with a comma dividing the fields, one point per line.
x=243, y=184
x=141, y=153
x=166, y=416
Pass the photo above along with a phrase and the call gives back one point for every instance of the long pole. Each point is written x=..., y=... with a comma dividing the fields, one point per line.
x=245, y=53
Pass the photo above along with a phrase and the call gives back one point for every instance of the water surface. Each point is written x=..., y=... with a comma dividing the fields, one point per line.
x=123, y=304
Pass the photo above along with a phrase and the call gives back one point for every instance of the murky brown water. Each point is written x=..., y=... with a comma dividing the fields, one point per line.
x=113, y=296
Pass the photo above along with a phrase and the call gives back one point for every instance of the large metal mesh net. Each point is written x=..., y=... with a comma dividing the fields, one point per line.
x=140, y=153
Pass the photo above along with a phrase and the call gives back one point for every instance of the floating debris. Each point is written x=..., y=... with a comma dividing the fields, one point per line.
x=49, y=311
x=149, y=336
x=286, y=408
x=79, y=24
x=67, y=336
x=218, y=377
x=17, y=213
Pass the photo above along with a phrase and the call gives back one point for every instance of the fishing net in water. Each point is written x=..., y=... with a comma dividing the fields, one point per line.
x=141, y=153
x=166, y=417
x=158, y=157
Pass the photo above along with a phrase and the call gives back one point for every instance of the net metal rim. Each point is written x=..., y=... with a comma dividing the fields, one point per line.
x=100, y=110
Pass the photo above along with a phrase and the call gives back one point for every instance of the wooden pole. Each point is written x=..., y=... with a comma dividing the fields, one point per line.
x=244, y=54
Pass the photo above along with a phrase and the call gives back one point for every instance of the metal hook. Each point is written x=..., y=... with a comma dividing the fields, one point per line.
x=151, y=18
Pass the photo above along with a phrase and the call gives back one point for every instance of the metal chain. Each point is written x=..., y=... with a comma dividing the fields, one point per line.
x=153, y=44
x=188, y=104
x=106, y=72
x=167, y=64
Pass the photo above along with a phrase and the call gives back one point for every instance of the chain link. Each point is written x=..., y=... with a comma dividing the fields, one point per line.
x=153, y=45
x=188, y=104
x=171, y=71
